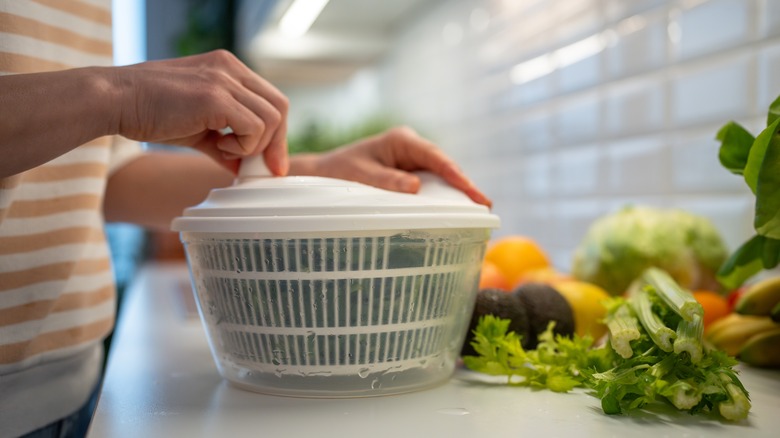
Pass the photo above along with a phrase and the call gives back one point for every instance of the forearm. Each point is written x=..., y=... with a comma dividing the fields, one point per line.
x=156, y=187
x=44, y=115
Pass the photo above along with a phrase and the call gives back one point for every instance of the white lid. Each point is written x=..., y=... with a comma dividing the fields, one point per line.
x=301, y=204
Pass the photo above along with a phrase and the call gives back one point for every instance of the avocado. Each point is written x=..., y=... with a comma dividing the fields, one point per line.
x=542, y=304
x=501, y=304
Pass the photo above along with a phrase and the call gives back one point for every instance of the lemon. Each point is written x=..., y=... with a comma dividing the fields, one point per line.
x=587, y=304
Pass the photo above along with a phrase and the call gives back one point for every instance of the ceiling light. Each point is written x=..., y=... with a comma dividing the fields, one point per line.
x=580, y=50
x=532, y=69
x=300, y=16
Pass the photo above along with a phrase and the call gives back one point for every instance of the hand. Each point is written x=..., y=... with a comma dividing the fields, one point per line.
x=386, y=160
x=187, y=101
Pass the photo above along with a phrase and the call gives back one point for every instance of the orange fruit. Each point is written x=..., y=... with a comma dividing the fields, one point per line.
x=490, y=277
x=715, y=305
x=587, y=304
x=515, y=256
x=548, y=275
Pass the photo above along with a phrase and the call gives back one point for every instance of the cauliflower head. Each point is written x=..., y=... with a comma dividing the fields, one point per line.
x=618, y=247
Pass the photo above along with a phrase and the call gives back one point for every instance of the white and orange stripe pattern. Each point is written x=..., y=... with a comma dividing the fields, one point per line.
x=56, y=282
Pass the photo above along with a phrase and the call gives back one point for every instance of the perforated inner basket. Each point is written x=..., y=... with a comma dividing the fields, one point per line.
x=333, y=304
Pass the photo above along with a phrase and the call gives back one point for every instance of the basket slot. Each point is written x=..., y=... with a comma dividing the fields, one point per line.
x=273, y=349
x=325, y=275
x=334, y=303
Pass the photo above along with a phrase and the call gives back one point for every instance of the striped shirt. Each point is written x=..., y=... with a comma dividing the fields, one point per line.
x=57, y=297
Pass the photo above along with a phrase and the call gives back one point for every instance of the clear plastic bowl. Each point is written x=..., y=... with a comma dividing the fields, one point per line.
x=336, y=314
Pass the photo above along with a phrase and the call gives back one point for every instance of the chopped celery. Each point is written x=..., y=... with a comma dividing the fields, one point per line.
x=738, y=405
x=678, y=299
x=659, y=333
x=683, y=394
x=689, y=335
x=623, y=328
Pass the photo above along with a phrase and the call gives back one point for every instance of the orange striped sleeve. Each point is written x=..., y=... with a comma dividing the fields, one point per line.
x=63, y=172
x=81, y=9
x=52, y=272
x=63, y=204
x=48, y=239
x=16, y=63
x=40, y=309
x=57, y=340
x=35, y=29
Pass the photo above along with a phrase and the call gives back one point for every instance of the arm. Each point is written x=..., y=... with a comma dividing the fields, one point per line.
x=58, y=110
x=156, y=187
x=184, y=101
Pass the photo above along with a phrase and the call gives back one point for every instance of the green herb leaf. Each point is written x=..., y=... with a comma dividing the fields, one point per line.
x=759, y=163
x=770, y=254
x=735, y=146
x=743, y=263
x=757, y=154
x=767, y=217
x=774, y=111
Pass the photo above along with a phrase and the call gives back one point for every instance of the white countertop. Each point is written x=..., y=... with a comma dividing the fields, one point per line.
x=161, y=381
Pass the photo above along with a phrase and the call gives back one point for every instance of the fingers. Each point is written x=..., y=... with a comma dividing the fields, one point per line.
x=389, y=178
x=275, y=155
x=258, y=123
x=413, y=152
x=399, y=181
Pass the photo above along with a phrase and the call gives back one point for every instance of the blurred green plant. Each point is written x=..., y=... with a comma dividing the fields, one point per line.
x=320, y=136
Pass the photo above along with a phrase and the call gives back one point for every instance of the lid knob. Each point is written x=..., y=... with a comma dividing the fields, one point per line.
x=253, y=167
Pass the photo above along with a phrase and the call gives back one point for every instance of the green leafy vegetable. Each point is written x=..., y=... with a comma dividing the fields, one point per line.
x=733, y=156
x=660, y=334
x=758, y=160
x=678, y=300
x=554, y=364
x=631, y=371
x=623, y=328
x=688, y=340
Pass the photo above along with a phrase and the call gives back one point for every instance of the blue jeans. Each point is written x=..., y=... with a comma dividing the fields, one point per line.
x=72, y=426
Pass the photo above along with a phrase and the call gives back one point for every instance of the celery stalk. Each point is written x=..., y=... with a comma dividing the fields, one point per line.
x=659, y=333
x=689, y=335
x=683, y=394
x=738, y=404
x=623, y=328
x=678, y=299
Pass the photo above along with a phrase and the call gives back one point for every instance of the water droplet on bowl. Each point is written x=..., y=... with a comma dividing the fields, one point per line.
x=363, y=372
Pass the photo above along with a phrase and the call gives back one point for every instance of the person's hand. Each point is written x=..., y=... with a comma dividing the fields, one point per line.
x=386, y=160
x=190, y=101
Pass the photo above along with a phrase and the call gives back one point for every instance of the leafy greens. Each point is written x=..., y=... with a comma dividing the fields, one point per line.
x=631, y=371
x=757, y=159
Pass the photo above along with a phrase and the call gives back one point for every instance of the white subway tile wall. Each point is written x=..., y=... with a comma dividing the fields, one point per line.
x=564, y=110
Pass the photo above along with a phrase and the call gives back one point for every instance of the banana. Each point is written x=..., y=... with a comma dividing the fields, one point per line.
x=762, y=350
x=722, y=323
x=759, y=298
x=735, y=330
x=775, y=313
